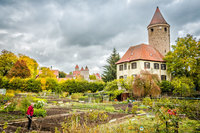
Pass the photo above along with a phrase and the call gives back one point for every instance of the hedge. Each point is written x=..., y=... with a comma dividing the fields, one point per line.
x=35, y=85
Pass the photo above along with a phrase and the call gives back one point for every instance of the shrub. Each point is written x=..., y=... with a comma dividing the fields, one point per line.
x=51, y=84
x=147, y=101
x=134, y=109
x=17, y=84
x=39, y=112
x=25, y=103
x=33, y=85
x=10, y=106
x=39, y=105
x=113, y=94
x=83, y=98
x=76, y=95
x=80, y=86
x=109, y=109
x=4, y=99
x=166, y=86
x=35, y=100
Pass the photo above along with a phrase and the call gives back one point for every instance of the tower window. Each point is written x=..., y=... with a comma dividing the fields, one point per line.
x=165, y=29
x=151, y=29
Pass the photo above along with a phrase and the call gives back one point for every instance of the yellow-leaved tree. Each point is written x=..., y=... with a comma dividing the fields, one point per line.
x=31, y=64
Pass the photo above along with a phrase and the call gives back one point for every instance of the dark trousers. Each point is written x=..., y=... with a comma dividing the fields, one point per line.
x=29, y=122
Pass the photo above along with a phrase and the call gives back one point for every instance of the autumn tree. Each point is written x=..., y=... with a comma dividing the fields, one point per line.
x=46, y=72
x=31, y=64
x=110, y=70
x=183, y=60
x=7, y=60
x=146, y=84
x=19, y=69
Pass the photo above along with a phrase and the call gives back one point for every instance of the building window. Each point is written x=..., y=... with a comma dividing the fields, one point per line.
x=165, y=29
x=134, y=65
x=146, y=65
x=125, y=76
x=121, y=67
x=151, y=29
x=125, y=66
x=156, y=66
x=134, y=75
x=163, y=66
x=120, y=77
x=163, y=77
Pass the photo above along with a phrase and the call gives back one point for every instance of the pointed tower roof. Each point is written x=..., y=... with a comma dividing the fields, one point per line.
x=157, y=18
x=76, y=66
x=86, y=68
x=82, y=69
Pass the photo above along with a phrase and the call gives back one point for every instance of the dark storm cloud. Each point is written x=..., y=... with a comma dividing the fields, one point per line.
x=63, y=33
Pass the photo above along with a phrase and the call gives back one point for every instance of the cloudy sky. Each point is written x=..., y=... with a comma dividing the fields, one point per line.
x=63, y=33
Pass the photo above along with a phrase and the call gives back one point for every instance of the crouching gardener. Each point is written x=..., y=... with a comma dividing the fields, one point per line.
x=29, y=114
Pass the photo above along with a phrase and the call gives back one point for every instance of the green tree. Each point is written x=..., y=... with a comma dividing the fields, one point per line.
x=183, y=60
x=183, y=86
x=7, y=60
x=31, y=64
x=62, y=74
x=110, y=70
x=19, y=69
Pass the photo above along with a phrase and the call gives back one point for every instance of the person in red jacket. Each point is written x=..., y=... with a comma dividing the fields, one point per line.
x=29, y=114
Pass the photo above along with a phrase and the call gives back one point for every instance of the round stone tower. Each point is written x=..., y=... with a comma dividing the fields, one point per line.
x=159, y=33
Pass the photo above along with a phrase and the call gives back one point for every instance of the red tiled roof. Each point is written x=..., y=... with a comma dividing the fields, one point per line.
x=157, y=18
x=141, y=52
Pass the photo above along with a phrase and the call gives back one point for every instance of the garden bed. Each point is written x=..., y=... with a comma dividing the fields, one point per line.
x=53, y=111
x=50, y=122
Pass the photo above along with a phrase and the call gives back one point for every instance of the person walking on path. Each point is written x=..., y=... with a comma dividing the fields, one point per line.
x=29, y=114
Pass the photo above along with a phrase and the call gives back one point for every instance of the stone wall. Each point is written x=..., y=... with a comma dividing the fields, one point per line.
x=159, y=37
